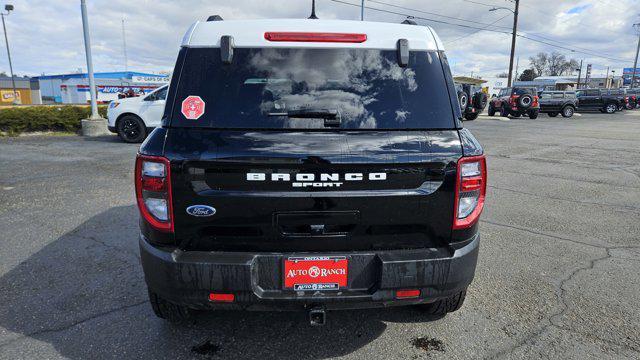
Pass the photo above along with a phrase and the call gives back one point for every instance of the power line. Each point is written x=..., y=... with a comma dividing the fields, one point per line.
x=477, y=31
x=486, y=28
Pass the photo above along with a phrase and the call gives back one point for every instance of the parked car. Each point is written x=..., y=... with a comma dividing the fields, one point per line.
x=515, y=101
x=300, y=169
x=558, y=102
x=620, y=95
x=463, y=97
x=477, y=100
x=133, y=118
x=597, y=99
x=634, y=99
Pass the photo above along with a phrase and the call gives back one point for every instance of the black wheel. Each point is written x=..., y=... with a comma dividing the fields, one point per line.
x=568, y=111
x=525, y=101
x=533, y=114
x=131, y=129
x=504, y=111
x=471, y=116
x=491, y=111
x=444, y=306
x=169, y=311
x=552, y=114
x=480, y=100
x=611, y=108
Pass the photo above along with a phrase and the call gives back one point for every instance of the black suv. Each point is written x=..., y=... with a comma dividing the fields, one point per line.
x=558, y=102
x=605, y=101
x=474, y=100
x=515, y=101
x=304, y=170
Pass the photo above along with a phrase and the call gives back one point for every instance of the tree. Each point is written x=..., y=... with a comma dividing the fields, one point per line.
x=552, y=64
x=528, y=75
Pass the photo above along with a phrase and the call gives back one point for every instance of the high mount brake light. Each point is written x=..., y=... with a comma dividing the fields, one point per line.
x=470, y=192
x=153, y=191
x=315, y=37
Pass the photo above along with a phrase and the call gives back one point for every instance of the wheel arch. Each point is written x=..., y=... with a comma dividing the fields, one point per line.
x=115, y=124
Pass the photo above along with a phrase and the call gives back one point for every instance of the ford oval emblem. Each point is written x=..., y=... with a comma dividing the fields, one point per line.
x=201, y=210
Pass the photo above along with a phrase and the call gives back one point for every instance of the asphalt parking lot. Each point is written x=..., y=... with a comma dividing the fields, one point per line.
x=557, y=275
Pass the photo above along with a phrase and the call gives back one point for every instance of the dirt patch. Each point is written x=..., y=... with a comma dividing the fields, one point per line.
x=206, y=348
x=428, y=344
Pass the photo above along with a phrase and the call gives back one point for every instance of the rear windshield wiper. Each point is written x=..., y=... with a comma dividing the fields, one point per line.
x=331, y=117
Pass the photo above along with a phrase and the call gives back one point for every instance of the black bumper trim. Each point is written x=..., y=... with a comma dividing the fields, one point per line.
x=187, y=277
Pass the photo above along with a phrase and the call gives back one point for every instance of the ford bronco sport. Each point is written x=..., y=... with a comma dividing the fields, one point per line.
x=309, y=165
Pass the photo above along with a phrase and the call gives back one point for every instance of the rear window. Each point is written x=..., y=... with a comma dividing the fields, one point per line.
x=263, y=87
x=522, y=91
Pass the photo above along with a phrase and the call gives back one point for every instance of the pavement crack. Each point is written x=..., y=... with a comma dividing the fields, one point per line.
x=73, y=324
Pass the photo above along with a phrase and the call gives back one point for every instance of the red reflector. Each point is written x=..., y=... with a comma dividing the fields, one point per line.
x=471, y=183
x=405, y=294
x=315, y=37
x=221, y=297
x=152, y=183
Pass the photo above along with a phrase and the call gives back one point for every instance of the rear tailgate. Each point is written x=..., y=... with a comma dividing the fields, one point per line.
x=313, y=191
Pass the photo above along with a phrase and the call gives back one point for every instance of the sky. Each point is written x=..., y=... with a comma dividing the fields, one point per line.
x=46, y=36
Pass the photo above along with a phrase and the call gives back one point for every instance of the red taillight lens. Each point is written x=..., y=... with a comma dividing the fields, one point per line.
x=535, y=101
x=471, y=188
x=407, y=293
x=315, y=37
x=513, y=99
x=153, y=191
x=218, y=297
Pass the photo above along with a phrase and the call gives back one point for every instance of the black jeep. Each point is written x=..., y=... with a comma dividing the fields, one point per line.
x=298, y=169
x=475, y=100
x=515, y=101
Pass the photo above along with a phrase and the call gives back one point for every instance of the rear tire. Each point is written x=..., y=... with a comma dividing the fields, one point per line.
x=533, y=114
x=445, y=306
x=568, y=111
x=552, y=114
x=491, y=111
x=169, y=311
x=131, y=129
x=504, y=111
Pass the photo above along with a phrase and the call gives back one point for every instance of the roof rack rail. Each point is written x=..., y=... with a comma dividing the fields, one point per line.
x=214, y=18
x=408, y=21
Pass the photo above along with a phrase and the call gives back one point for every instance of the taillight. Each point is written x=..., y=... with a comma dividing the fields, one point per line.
x=535, y=101
x=153, y=191
x=315, y=37
x=512, y=100
x=471, y=188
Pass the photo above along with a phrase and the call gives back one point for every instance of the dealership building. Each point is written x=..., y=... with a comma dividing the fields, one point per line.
x=74, y=88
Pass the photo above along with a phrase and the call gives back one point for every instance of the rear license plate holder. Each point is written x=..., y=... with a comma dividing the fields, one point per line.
x=315, y=273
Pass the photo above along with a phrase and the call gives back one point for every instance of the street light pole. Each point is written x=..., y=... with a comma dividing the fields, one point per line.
x=9, y=8
x=513, y=36
x=635, y=63
x=362, y=11
x=87, y=48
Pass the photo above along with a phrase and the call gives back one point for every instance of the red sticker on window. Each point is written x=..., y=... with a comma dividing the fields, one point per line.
x=193, y=107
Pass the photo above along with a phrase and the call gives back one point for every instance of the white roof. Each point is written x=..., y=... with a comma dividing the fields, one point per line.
x=250, y=33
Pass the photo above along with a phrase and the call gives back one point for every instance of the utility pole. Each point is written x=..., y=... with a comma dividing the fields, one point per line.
x=517, y=68
x=513, y=36
x=607, y=78
x=124, y=47
x=9, y=8
x=362, y=11
x=635, y=63
x=513, y=40
x=579, y=74
x=94, y=125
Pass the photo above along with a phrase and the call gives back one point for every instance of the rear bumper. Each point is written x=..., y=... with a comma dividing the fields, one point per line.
x=255, y=279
